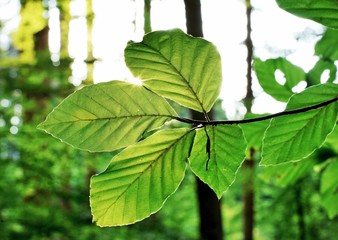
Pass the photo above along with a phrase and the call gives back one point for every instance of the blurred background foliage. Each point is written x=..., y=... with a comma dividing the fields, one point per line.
x=44, y=184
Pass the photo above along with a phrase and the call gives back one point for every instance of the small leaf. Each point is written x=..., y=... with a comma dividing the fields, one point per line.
x=107, y=116
x=227, y=152
x=177, y=66
x=292, y=138
x=323, y=11
x=329, y=188
x=266, y=70
x=315, y=74
x=140, y=179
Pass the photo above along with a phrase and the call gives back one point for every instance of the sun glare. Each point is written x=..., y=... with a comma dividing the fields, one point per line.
x=135, y=81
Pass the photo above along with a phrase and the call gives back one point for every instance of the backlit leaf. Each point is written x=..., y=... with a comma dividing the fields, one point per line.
x=107, y=116
x=291, y=138
x=227, y=152
x=177, y=66
x=140, y=179
x=321, y=11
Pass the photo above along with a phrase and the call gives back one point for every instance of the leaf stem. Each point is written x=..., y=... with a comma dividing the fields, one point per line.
x=206, y=117
x=250, y=120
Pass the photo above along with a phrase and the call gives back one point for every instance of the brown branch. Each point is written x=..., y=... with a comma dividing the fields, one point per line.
x=258, y=119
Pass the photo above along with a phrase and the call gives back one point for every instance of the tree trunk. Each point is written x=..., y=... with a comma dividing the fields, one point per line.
x=249, y=164
x=210, y=213
x=248, y=197
x=209, y=206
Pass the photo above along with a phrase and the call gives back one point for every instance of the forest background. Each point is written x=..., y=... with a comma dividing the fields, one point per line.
x=50, y=48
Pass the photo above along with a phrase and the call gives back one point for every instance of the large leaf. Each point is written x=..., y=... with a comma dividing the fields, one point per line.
x=217, y=162
x=177, y=66
x=329, y=188
x=265, y=71
x=107, y=116
x=321, y=11
x=291, y=138
x=140, y=178
x=326, y=47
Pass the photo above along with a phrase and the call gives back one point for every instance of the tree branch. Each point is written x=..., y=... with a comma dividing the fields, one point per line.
x=250, y=120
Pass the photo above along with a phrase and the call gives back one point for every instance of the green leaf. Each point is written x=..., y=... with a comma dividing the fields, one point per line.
x=254, y=132
x=314, y=75
x=177, y=66
x=329, y=188
x=313, y=95
x=332, y=139
x=227, y=152
x=286, y=174
x=326, y=47
x=107, y=116
x=321, y=11
x=140, y=179
x=265, y=71
x=292, y=138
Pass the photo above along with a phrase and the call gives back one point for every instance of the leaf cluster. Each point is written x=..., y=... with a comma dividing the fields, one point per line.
x=108, y=116
x=186, y=70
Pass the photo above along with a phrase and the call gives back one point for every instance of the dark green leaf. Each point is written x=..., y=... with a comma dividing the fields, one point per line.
x=321, y=11
x=266, y=70
x=326, y=47
x=315, y=74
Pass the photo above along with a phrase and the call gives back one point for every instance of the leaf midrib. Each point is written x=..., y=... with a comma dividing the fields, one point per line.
x=141, y=173
x=301, y=130
x=110, y=118
x=178, y=72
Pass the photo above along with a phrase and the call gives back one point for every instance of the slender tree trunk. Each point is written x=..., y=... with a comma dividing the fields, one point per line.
x=249, y=46
x=90, y=58
x=65, y=18
x=209, y=205
x=147, y=16
x=249, y=164
x=248, y=197
x=194, y=17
